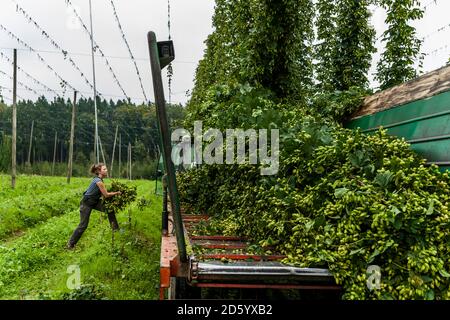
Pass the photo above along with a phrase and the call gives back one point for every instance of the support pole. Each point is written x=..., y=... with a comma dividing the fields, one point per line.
x=128, y=161
x=129, y=147
x=72, y=135
x=120, y=154
x=14, y=123
x=114, y=149
x=54, y=153
x=101, y=149
x=31, y=142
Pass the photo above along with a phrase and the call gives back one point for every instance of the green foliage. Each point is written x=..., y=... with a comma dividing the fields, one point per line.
x=402, y=45
x=339, y=106
x=119, y=202
x=85, y=292
x=144, y=169
x=238, y=106
x=355, y=39
x=343, y=201
x=5, y=152
x=34, y=201
x=34, y=265
x=323, y=53
x=137, y=125
x=142, y=203
x=262, y=43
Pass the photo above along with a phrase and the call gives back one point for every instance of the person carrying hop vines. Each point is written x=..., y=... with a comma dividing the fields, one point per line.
x=92, y=200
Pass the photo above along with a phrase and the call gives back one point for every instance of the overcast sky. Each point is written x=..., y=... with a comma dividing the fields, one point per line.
x=190, y=25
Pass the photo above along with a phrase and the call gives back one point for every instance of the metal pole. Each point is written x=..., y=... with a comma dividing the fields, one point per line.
x=166, y=144
x=14, y=123
x=96, y=151
x=72, y=135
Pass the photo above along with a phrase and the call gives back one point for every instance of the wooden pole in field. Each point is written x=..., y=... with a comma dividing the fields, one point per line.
x=31, y=139
x=128, y=161
x=72, y=135
x=54, y=153
x=101, y=149
x=14, y=123
x=129, y=147
x=120, y=153
x=114, y=149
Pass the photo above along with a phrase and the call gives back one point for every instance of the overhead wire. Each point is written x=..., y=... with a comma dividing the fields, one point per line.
x=54, y=43
x=425, y=7
x=128, y=47
x=19, y=82
x=10, y=90
x=435, y=51
x=63, y=82
x=97, y=55
x=36, y=81
x=435, y=31
x=116, y=80
x=87, y=92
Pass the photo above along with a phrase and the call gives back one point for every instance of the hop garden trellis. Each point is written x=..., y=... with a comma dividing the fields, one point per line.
x=65, y=54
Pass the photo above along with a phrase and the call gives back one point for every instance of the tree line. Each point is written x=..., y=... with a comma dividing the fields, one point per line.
x=136, y=125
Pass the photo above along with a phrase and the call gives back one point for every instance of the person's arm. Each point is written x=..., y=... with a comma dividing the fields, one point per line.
x=104, y=192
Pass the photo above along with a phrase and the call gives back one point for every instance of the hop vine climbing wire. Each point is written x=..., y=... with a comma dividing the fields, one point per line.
x=438, y=30
x=64, y=84
x=20, y=83
x=128, y=47
x=30, y=77
x=116, y=80
x=432, y=2
x=54, y=43
x=10, y=91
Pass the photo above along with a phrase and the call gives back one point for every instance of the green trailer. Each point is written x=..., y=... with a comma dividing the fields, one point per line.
x=418, y=111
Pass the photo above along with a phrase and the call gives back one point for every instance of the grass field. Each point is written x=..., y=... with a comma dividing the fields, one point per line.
x=37, y=219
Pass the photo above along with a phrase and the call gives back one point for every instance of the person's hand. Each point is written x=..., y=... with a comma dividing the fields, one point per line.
x=118, y=192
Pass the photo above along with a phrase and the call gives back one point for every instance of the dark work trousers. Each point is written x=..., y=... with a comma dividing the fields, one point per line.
x=86, y=207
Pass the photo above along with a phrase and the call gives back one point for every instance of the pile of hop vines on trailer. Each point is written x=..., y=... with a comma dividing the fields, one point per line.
x=341, y=200
x=119, y=202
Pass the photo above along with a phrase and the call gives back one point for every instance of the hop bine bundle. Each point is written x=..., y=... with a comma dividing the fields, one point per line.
x=119, y=202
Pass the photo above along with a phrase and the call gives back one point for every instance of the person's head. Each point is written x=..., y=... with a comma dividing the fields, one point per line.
x=99, y=170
